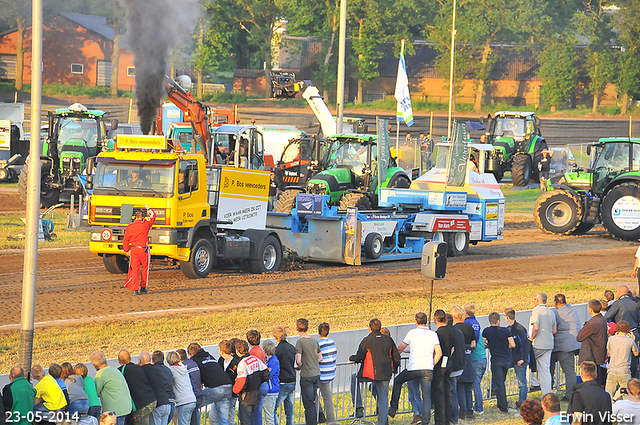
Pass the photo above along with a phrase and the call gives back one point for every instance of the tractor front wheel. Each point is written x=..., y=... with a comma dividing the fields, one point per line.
x=353, y=199
x=287, y=201
x=621, y=211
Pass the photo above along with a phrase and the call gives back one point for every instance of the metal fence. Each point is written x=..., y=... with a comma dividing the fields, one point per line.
x=344, y=406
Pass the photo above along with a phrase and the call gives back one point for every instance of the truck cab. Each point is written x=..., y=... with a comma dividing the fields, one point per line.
x=204, y=213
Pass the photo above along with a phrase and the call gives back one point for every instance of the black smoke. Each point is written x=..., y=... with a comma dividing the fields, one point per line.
x=154, y=28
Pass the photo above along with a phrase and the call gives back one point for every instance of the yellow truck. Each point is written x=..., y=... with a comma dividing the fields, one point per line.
x=206, y=216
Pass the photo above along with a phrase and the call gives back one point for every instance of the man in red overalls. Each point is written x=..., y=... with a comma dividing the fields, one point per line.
x=135, y=241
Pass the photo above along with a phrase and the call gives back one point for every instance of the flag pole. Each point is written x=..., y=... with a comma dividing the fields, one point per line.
x=453, y=44
x=397, y=120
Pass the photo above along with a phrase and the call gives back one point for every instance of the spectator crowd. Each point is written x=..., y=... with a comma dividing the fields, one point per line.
x=443, y=373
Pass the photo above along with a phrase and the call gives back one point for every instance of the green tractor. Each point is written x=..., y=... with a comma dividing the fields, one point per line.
x=350, y=177
x=607, y=193
x=75, y=134
x=518, y=146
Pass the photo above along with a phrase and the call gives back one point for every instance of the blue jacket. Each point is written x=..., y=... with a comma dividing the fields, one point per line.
x=274, y=378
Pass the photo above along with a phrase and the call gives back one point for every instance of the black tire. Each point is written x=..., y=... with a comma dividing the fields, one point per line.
x=116, y=263
x=583, y=228
x=269, y=256
x=400, y=182
x=373, y=246
x=557, y=211
x=611, y=207
x=458, y=243
x=354, y=199
x=47, y=197
x=498, y=173
x=287, y=201
x=521, y=169
x=201, y=261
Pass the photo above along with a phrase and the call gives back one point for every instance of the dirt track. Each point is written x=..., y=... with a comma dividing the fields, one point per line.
x=73, y=284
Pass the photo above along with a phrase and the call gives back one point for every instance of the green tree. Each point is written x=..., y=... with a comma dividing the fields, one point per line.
x=594, y=23
x=558, y=72
x=628, y=22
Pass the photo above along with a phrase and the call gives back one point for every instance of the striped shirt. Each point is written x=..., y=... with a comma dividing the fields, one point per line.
x=329, y=357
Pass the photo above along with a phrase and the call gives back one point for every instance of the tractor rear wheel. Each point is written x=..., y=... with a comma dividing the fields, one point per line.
x=287, y=201
x=48, y=196
x=521, y=170
x=621, y=211
x=353, y=199
x=557, y=211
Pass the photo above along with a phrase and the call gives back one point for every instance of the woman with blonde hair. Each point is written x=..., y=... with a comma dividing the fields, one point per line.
x=182, y=389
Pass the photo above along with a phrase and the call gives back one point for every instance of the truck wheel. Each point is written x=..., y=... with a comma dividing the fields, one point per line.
x=621, y=211
x=373, y=246
x=201, y=262
x=557, y=211
x=400, y=182
x=116, y=263
x=48, y=197
x=287, y=201
x=521, y=170
x=269, y=256
x=353, y=199
x=458, y=243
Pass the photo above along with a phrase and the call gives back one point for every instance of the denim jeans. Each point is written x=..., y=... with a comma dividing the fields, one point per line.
x=160, y=415
x=498, y=377
x=195, y=416
x=95, y=411
x=309, y=391
x=245, y=413
x=413, y=389
x=423, y=378
x=465, y=396
x=184, y=413
x=257, y=412
x=480, y=366
x=521, y=375
x=441, y=397
x=218, y=397
x=453, y=394
x=79, y=406
x=270, y=408
x=327, y=398
x=382, y=391
x=172, y=406
x=287, y=392
x=119, y=419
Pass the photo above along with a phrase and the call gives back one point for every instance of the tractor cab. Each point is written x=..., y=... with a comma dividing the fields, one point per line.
x=613, y=158
x=302, y=158
x=512, y=131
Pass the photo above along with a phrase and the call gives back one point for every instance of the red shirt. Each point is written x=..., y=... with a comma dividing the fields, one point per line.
x=137, y=233
x=258, y=352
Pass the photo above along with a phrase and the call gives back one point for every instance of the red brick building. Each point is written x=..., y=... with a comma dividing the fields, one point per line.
x=76, y=49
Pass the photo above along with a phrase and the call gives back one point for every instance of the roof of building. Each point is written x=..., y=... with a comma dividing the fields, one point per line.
x=97, y=24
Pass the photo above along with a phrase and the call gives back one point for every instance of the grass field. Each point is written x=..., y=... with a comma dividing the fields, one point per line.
x=520, y=201
x=12, y=231
x=75, y=343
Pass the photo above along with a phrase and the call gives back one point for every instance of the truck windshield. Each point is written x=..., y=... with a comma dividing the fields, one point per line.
x=135, y=178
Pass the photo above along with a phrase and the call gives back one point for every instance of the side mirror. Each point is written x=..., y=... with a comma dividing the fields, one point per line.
x=91, y=165
x=114, y=124
x=588, y=149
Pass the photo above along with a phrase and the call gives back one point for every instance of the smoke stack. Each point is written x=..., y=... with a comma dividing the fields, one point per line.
x=154, y=28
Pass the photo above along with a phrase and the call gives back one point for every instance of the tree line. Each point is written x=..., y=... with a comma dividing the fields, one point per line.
x=581, y=45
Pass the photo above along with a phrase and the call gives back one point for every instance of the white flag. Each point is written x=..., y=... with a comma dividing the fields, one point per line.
x=404, y=111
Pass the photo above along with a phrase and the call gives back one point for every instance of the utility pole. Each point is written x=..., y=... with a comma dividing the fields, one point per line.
x=30, y=271
x=342, y=40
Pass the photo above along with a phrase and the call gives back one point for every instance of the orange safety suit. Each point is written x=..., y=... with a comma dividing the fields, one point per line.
x=136, y=238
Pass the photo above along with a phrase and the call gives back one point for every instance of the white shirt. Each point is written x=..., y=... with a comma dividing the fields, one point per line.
x=629, y=408
x=638, y=252
x=421, y=342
